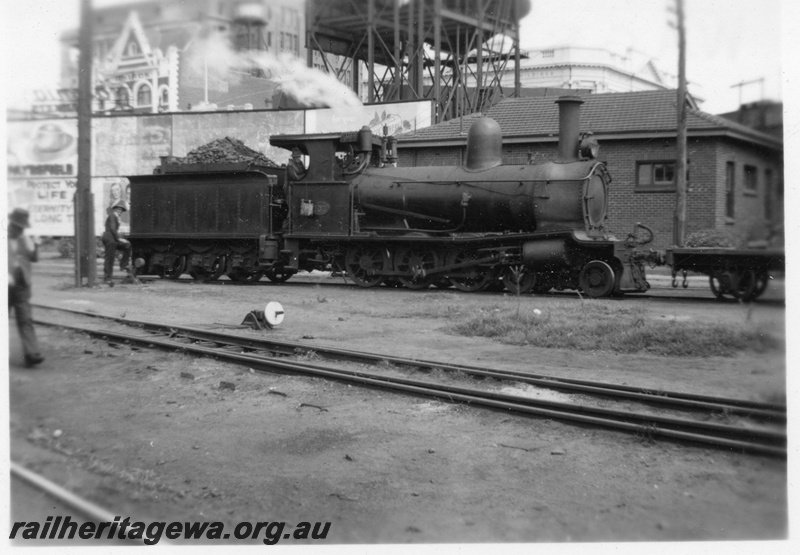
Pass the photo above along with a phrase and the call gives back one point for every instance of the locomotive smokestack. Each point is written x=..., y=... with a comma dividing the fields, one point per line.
x=569, y=119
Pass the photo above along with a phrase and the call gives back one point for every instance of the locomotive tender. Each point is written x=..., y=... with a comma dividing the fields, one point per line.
x=348, y=208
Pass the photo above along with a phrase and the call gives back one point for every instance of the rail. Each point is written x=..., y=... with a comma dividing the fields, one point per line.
x=756, y=439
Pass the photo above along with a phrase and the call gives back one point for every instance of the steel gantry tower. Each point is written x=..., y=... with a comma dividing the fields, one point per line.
x=453, y=52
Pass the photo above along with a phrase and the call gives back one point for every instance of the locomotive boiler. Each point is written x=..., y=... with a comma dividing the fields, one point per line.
x=345, y=206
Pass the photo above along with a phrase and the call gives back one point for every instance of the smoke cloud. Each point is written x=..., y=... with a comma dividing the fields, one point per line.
x=213, y=54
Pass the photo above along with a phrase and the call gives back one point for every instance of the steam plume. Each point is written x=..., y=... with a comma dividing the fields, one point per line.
x=213, y=53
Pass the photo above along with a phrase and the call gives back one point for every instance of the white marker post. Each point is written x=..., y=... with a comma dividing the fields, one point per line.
x=273, y=314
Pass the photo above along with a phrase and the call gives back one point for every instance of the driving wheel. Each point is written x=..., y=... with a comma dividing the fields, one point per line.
x=469, y=278
x=518, y=280
x=416, y=263
x=363, y=264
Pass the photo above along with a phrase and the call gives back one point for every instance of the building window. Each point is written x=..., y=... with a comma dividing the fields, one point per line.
x=730, y=189
x=163, y=99
x=768, y=195
x=132, y=49
x=123, y=98
x=750, y=179
x=144, y=96
x=548, y=53
x=656, y=176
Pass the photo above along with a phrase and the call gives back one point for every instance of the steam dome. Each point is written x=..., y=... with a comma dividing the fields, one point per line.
x=484, y=144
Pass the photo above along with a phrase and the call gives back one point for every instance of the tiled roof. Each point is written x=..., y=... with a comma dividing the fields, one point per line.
x=451, y=129
x=611, y=113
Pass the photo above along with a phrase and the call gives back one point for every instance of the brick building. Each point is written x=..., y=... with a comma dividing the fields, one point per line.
x=735, y=173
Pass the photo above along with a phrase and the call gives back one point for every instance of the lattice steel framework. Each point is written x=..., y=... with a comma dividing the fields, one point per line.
x=418, y=49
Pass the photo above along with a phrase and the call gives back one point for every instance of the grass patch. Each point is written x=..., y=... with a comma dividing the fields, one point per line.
x=422, y=305
x=596, y=327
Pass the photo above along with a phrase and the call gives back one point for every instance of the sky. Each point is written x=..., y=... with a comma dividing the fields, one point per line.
x=728, y=41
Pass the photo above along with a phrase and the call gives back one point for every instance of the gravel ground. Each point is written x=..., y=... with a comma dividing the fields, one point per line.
x=153, y=436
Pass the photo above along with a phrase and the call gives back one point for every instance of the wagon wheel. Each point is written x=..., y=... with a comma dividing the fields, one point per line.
x=363, y=263
x=240, y=275
x=279, y=275
x=415, y=263
x=719, y=284
x=744, y=284
x=739, y=284
x=175, y=270
x=762, y=280
x=518, y=280
x=597, y=279
x=469, y=279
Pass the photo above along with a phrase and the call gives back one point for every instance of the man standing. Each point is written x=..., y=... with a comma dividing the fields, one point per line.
x=113, y=241
x=22, y=250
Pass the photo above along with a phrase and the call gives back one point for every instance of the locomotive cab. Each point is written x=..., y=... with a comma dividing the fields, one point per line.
x=331, y=156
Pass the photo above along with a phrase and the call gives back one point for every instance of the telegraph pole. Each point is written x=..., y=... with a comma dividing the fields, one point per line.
x=679, y=228
x=85, y=256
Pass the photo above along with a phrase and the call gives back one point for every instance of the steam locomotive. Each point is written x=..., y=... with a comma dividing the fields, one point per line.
x=342, y=204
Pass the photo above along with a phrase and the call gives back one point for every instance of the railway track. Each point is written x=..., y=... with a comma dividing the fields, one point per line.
x=66, y=499
x=62, y=503
x=764, y=433
x=697, y=293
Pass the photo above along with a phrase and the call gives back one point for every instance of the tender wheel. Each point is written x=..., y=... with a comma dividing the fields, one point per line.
x=363, y=263
x=597, y=279
x=469, y=279
x=416, y=263
x=518, y=280
x=176, y=269
x=240, y=275
x=279, y=275
x=217, y=269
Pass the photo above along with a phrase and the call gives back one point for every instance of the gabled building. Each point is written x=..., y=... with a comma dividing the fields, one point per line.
x=735, y=173
x=134, y=76
x=142, y=53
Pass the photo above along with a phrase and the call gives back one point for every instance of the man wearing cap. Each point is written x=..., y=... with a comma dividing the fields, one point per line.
x=22, y=250
x=112, y=241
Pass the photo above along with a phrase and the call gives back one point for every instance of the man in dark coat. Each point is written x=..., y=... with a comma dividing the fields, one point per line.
x=113, y=241
x=22, y=250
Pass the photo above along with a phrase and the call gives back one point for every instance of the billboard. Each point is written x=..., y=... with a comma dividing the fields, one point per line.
x=42, y=173
x=395, y=118
x=130, y=145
